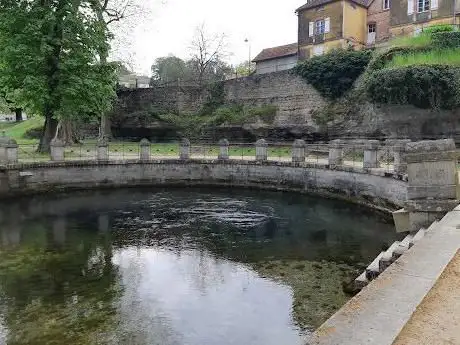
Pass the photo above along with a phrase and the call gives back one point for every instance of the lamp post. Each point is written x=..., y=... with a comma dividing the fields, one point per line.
x=249, y=59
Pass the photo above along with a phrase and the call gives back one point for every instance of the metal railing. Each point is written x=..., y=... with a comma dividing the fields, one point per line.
x=359, y=155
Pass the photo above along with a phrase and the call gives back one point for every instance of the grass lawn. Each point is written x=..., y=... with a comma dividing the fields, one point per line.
x=439, y=57
x=18, y=130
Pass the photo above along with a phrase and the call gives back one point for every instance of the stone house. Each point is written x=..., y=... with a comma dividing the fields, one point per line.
x=276, y=59
x=327, y=24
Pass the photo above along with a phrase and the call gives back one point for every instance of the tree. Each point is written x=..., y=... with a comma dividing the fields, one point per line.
x=109, y=13
x=169, y=69
x=49, y=52
x=208, y=50
x=244, y=70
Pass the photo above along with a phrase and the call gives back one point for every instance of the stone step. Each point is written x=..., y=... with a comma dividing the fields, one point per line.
x=372, y=271
x=387, y=257
x=433, y=225
x=418, y=236
x=361, y=282
x=403, y=246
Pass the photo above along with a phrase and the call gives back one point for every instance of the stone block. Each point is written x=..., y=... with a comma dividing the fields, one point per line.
x=437, y=173
x=298, y=151
x=336, y=154
x=401, y=220
x=261, y=150
x=420, y=220
x=57, y=147
x=144, y=147
x=223, y=149
x=185, y=149
x=434, y=192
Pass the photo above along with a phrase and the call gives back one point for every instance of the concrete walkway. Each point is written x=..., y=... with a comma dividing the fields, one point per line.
x=387, y=307
x=437, y=319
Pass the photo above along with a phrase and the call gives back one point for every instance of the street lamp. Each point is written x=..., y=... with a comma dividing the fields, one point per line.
x=249, y=59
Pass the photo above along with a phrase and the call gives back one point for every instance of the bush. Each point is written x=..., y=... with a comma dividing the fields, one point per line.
x=446, y=40
x=424, y=86
x=439, y=28
x=382, y=59
x=334, y=73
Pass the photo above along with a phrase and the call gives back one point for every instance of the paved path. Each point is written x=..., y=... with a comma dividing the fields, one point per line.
x=437, y=319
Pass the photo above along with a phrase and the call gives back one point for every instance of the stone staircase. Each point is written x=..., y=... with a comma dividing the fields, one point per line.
x=386, y=258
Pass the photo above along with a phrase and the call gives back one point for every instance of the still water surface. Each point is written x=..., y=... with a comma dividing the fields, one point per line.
x=178, y=267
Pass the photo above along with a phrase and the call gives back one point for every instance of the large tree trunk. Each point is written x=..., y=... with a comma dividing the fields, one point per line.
x=105, y=127
x=67, y=132
x=49, y=132
x=18, y=112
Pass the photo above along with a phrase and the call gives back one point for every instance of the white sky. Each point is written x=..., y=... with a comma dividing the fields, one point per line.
x=167, y=27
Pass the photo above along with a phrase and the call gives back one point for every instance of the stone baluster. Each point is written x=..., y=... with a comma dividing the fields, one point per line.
x=144, y=147
x=261, y=150
x=335, y=153
x=102, y=150
x=432, y=184
x=298, y=151
x=400, y=166
x=223, y=149
x=57, y=150
x=370, y=154
x=184, y=149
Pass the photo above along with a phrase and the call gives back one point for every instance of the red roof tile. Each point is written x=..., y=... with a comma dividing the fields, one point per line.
x=277, y=52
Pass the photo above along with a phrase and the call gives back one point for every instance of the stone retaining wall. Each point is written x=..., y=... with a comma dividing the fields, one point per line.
x=354, y=184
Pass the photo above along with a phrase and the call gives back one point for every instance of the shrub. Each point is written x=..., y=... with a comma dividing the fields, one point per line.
x=424, y=86
x=446, y=40
x=439, y=28
x=334, y=73
x=266, y=113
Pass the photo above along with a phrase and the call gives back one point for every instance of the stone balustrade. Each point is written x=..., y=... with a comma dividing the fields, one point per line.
x=338, y=154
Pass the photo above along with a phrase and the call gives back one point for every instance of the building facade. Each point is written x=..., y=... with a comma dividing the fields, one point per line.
x=327, y=24
x=276, y=59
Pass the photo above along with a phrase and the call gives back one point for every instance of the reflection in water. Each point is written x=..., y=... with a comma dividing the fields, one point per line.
x=177, y=267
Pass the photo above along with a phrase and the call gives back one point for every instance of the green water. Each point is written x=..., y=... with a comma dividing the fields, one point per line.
x=180, y=266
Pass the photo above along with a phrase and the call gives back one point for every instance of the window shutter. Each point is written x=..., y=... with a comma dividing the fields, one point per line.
x=327, y=25
x=410, y=6
x=434, y=4
x=311, y=27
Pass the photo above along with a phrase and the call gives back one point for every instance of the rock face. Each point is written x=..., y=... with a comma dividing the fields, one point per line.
x=134, y=114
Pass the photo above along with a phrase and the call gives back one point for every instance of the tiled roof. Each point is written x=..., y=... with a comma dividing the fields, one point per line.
x=277, y=52
x=316, y=3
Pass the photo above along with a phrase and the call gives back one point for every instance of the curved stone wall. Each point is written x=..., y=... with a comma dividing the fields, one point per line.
x=374, y=189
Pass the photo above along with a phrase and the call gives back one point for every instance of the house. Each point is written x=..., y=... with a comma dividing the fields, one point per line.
x=133, y=81
x=411, y=16
x=329, y=24
x=276, y=59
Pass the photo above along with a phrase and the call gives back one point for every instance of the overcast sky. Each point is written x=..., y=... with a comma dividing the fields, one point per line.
x=168, y=27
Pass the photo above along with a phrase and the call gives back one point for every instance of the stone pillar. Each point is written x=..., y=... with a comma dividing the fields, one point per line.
x=432, y=184
x=335, y=153
x=370, y=154
x=57, y=150
x=298, y=151
x=11, y=151
x=8, y=150
x=184, y=149
x=223, y=149
x=261, y=150
x=102, y=150
x=400, y=166
x=144, y=147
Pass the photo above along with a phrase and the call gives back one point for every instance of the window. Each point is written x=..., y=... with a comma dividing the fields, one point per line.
x=319, y=27
x=386, y=4
x=423, y=5
x=372, y=28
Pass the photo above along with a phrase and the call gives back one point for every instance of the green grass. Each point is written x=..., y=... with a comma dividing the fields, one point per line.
x=18, y=130
x=420, y=41
x=435, y=57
